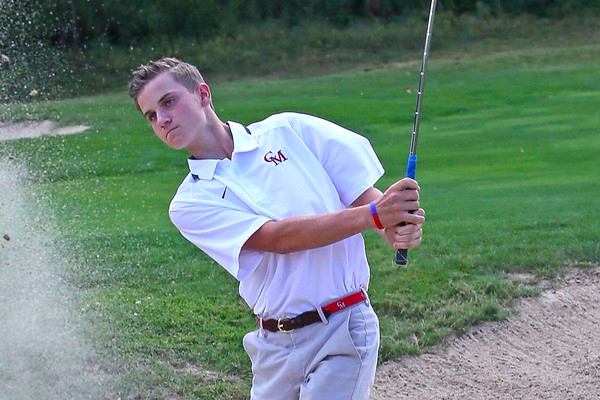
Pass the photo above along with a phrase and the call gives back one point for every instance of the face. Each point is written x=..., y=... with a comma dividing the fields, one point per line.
x=176, y=115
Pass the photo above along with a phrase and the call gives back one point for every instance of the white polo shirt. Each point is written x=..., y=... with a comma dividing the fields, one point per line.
x=289, y=165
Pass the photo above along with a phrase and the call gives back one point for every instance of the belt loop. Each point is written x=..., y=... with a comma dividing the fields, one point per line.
x=367, y=301
x=262, y=332
x=260, y=325
x=322, y=315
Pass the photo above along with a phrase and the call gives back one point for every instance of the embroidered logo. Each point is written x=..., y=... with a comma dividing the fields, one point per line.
x=341, y=304
x=275, y=158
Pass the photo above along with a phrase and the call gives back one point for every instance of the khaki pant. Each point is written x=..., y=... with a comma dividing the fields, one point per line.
x=320, y=361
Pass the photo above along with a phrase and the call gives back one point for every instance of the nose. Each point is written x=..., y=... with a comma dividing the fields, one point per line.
x=163, y=118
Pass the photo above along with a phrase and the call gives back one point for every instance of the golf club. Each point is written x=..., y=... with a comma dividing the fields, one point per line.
x=411, y=166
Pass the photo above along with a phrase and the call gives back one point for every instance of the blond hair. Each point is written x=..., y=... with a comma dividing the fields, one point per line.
x=185, y=74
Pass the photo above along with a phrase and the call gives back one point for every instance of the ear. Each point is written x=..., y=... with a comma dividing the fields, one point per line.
x=203, y=91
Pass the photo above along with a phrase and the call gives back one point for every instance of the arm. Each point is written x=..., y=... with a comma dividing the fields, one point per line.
x=308, y=232
x=399, y=237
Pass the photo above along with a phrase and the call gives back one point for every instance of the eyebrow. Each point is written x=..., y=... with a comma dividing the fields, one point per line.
x=159, y=101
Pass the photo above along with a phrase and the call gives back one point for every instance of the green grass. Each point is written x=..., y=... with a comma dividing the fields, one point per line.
x=508, y=166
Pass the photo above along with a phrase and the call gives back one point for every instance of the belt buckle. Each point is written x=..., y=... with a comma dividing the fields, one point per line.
x=280, y=325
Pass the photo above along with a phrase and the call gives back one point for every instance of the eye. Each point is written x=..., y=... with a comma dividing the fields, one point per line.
x=169, y=102
x=152, y=117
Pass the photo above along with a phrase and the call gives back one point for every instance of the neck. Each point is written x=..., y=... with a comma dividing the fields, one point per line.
x=228, y=141
x=215, y=142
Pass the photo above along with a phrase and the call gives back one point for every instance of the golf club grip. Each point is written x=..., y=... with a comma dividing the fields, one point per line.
x=401, y=257
x=401, y=254
x=411, y=170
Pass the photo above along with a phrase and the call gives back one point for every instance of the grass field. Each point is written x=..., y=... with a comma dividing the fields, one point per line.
x=508, y=166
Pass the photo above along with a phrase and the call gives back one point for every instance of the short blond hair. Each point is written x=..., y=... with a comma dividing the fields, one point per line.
x=184, y=73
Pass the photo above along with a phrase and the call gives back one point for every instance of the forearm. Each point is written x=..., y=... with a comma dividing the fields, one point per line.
x=309, y=232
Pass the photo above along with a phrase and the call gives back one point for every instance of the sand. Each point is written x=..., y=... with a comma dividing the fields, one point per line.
x=549, y=350
x=32, y=129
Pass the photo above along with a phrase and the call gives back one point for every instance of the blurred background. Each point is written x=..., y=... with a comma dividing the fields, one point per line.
x=65, y=48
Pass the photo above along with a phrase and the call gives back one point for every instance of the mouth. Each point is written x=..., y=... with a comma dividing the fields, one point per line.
x=170, y=130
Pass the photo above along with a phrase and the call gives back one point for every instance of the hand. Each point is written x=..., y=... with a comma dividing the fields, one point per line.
x=407, y=236
x=395, y=205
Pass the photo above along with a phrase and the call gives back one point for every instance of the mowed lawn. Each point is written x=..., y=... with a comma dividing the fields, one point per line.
x=509, y=168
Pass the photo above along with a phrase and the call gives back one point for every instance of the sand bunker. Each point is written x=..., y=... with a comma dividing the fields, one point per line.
x=550, y=350
x=34, y=129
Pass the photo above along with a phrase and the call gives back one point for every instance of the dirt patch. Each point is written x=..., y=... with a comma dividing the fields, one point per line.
x=550, y=350
x=33, y=129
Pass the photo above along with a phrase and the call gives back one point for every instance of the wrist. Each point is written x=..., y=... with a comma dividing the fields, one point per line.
x=375, y=215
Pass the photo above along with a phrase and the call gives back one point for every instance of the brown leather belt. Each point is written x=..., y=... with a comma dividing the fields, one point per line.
x=287, y=324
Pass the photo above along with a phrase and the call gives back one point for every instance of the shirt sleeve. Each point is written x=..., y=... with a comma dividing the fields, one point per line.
x=219, y=229
x=348, y=157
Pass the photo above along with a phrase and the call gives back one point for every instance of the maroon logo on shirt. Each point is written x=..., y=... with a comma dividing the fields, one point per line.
x=275, y=158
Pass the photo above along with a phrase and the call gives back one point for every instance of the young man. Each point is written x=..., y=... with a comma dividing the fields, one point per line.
x=280, y=204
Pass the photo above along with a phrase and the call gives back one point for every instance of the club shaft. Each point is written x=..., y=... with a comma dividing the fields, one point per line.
x=417, y=119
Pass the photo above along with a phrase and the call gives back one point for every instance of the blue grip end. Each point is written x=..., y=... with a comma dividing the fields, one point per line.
x=411, y=166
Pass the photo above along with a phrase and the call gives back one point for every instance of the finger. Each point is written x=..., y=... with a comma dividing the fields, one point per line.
x=409, y=206
x=411, y=218
x=416, y=216
x=420, y=212
x=408, y=244
x=405, y=183
x=408, y=194
x=410, y=236
x=409, y=229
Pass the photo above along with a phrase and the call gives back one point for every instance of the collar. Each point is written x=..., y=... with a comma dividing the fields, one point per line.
x=242, y=142
x=202, y=169
x=242, y=138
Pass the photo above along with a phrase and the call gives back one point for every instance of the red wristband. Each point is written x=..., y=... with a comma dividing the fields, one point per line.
x=375, y=215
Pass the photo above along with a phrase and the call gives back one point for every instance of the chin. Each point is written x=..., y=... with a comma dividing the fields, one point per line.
x=175, y=142
x=177, y=146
